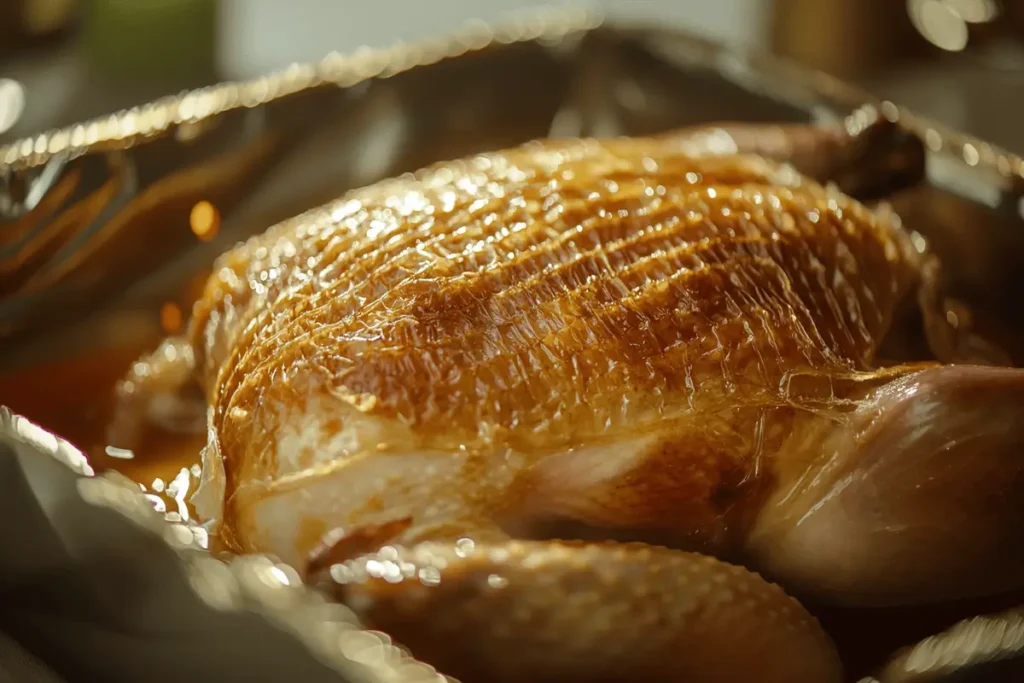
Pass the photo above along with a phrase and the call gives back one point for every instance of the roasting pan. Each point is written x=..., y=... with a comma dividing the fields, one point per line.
x=107, y=226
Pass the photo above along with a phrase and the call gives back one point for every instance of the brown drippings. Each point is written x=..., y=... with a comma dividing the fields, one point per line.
x=73, y=397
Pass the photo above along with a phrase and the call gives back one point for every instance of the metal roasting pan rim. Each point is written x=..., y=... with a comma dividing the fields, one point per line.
x=777, y=76
x=30, y=167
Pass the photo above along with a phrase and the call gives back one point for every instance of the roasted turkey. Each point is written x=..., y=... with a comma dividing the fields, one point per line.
x=532, y=411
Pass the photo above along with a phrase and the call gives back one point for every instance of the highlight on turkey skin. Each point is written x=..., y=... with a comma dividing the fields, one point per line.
x=521, y=306
x=636, y=339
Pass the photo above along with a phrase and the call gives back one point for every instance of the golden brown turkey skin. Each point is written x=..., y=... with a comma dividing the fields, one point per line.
x=551, y=298
x=634, y=339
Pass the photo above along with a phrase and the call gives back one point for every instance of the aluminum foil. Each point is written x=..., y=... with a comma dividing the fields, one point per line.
x=98, y=226
x=100, y=587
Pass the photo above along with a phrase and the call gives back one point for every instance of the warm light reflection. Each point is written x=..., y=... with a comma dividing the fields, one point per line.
x=177, y=490
x=171, y=317
x=944, y=22
x=12, y=103
x=120, y=453
x=971, y=155
x=939, y=24
x=204, y=220
x=975, y=11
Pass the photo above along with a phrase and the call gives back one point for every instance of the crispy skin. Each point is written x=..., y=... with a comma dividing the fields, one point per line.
x=664, y=309
x=557, y=612
x=550, y=295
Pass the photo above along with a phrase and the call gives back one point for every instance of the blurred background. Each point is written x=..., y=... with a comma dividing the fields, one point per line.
x=959, y=61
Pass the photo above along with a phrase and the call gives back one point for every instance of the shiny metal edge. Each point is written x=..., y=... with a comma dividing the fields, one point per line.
x=129, y=127
x=257, y=585
x=164, y=116
x=823, y=93
x=978, y=644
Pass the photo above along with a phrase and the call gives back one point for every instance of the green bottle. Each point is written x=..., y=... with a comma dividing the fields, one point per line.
x=168, y=41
